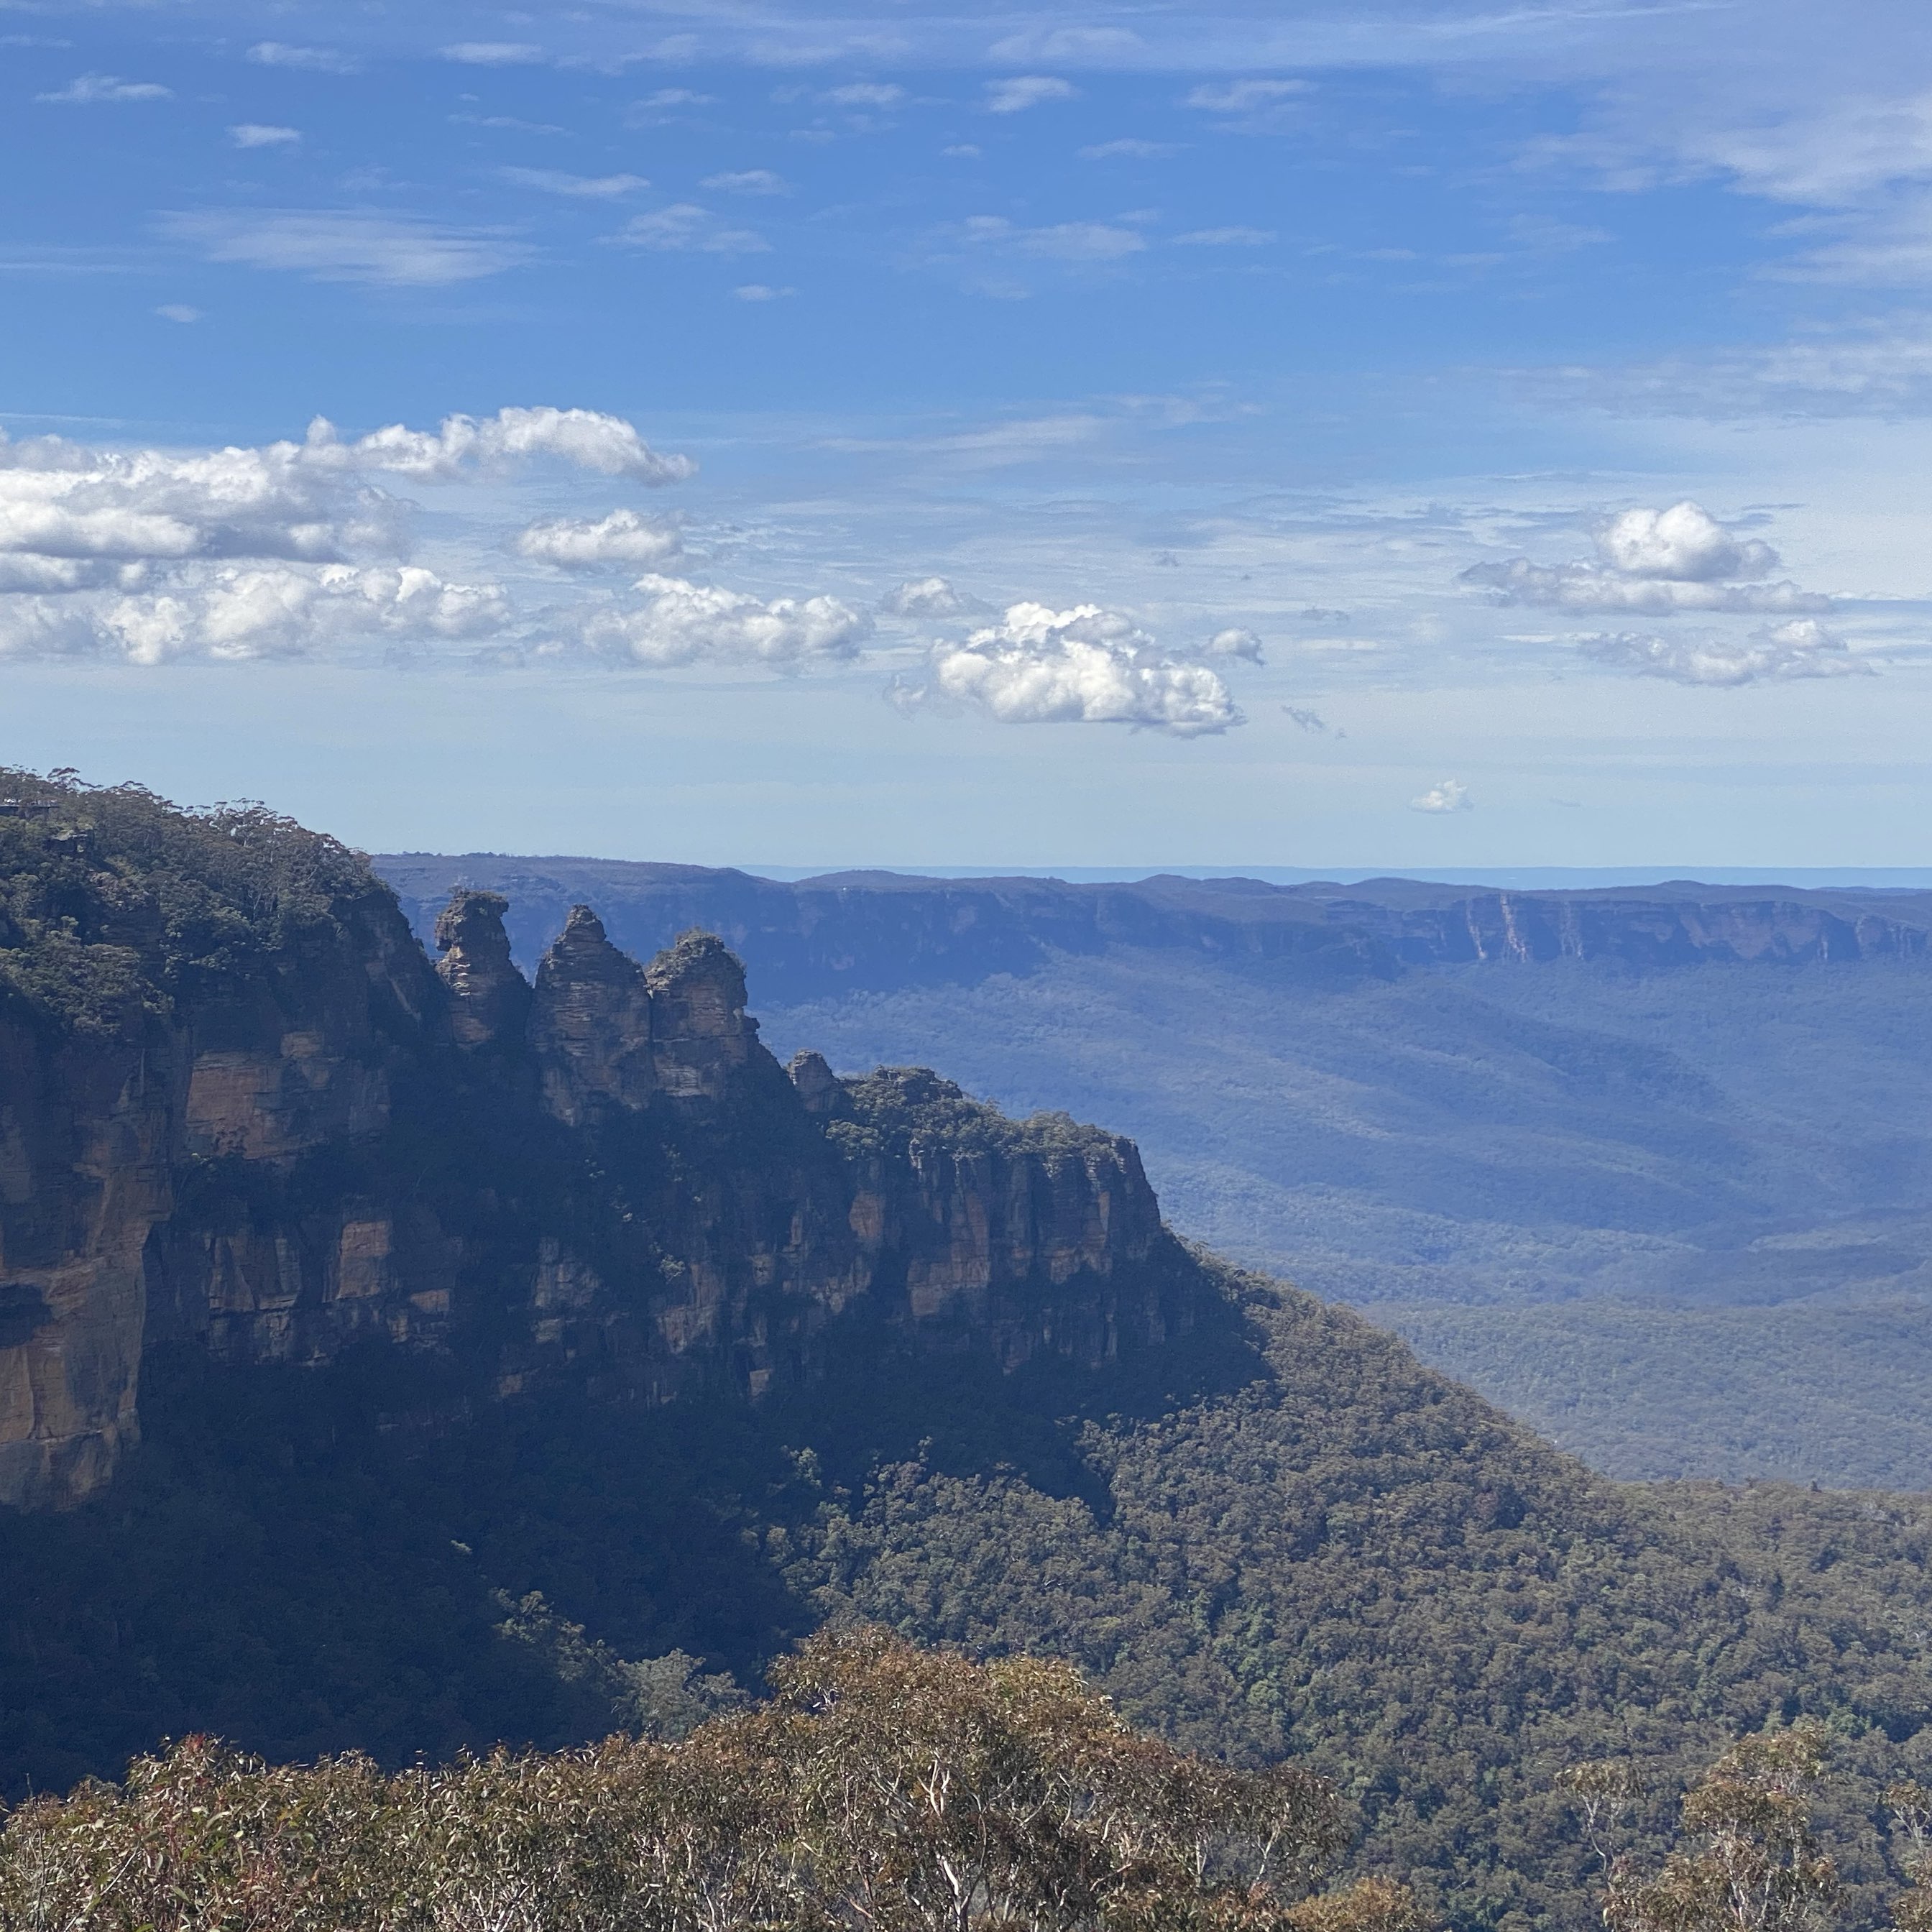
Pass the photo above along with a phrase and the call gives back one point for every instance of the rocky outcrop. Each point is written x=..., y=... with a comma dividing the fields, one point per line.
x=603, y=1183
x=762, y=1207
x=590, y=1024
x=489, y=999
x=704, y=1038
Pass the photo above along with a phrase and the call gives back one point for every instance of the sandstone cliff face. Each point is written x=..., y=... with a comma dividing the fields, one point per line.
x=604, y=1182
x=100, y=1135
x=84, y=1175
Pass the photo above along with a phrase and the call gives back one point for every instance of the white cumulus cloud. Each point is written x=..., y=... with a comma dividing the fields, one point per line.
x=42, y=575
x=1085, y=665
x=588, y=438
x=236, y=612
x=621, y=538
x=675, y=621
x=1801, y=648
x=1451, y=795
x=1236, y=642
x=286, y=550
x=928, y=597
x=259, y=134
x=282, y=612
x=62, y=499
x=1658, y=562
x=1685, y=543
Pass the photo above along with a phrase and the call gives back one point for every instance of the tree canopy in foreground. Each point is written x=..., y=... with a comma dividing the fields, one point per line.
x=881, y=1786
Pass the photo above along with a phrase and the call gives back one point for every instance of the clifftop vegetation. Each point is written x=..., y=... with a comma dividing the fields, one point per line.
x=113, y=901
x=898, y=1111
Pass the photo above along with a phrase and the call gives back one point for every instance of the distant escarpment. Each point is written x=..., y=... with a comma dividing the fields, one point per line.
x=1668, y=926
x=884, y=932
x=242, y=1115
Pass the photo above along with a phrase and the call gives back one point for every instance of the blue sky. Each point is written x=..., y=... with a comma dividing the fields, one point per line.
x=1427, y=435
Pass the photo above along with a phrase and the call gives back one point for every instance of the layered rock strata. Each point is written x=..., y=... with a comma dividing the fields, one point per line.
x=602, y=1182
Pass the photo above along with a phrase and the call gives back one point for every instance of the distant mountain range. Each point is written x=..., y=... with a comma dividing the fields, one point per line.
x=1651, y=1166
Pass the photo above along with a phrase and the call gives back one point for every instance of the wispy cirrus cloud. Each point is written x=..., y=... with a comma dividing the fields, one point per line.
x=347, y=244
x=1077, y=241
x=881, y=94
x=89, y=90
x=579, y=187
x=1016, y=94
x=685, y=228
x=494, y=53
x=1099, y=46
x=303, y=59
x=1129, y=148
x=1251, y=101
x=1228, y=238
x=747, y=181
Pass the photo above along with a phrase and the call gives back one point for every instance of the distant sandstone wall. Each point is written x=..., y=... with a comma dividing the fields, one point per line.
x=1632, y=929
x=877, y=932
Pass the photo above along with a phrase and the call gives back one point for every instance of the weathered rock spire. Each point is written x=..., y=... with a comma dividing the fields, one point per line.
x=698, y=1006
x=590, y=1024
x=491, y=999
